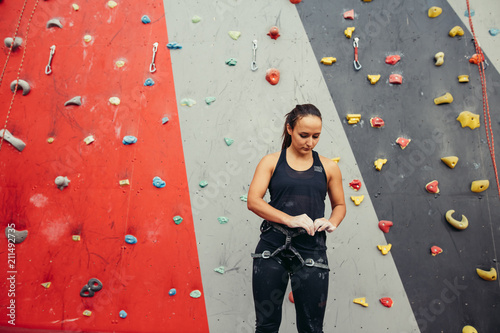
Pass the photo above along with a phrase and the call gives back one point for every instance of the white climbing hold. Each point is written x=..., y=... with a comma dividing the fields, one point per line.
x=17, y=143
x=114, y=100
x=17, y=42
x=87, y=38
x=88, y=140
x=18, y=236
x=62, y=182
x=25, y=86
x=77, y=100
x=55, y=22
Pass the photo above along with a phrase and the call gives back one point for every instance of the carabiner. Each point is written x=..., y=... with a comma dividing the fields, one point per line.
x=253, y=66
x=355, y=44
x=152, y=67
x=48, y=69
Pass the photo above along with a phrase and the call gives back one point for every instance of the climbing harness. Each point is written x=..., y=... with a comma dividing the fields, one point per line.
x=48, y=69
x=287, y=246
x=253, y=66
x=357, y=65
x=152, y=67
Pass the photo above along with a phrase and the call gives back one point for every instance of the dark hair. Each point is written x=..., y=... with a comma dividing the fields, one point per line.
x=299, y=112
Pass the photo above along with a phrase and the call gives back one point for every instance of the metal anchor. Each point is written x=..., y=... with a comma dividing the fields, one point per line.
x=253, y=66
x=48, y=69
x=152, y=67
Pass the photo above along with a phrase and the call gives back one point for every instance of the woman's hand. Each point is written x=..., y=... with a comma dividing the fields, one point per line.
x=323, y=224
x=302, y=221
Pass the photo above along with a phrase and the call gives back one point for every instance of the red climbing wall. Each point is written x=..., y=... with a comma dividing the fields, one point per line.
x=136, y=278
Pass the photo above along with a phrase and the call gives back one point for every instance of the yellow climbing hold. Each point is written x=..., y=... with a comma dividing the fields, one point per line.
x=336, y=159
x=469, y=329
x=120, y=63
x=76, y=238
x=357, y=200
x=348, y=32
x=234, y=34
x=384, y=248
x=379, y=163
x=374, y=78
x=439, y=57
x=490, y=275
x=361, y=301
x=445, y=99
x=124, y=182
x=434, y=11
x=114, y=100
x=46, y=285
x=112, y=4
x=328, y=60
x=463, y=78
x=456, y=31
x=76, y=7
x=87, y=313
x=480, y=185
x=87, y=38
x=468, y=119
x=50, y=140
x=353, y=118
x=460, y=225
x=450, y=161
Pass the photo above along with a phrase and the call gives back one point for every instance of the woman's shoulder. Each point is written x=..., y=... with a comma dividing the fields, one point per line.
x=271, y=159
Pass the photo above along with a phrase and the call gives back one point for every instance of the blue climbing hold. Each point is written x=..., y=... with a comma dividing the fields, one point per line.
x=129, y=139
x=123, y=314
x=472, y=13
x=173, y=45
x=149, y=82
x=158, y=182
x=130, y=239
x=164, y=120
x=172, y=292
x=494, y=31
x=145, y=19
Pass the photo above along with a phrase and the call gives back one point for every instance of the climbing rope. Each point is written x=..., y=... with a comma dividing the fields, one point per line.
x=20, y=65
x=486, y=107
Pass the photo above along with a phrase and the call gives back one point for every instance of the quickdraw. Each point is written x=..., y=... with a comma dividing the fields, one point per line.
x=357, y=65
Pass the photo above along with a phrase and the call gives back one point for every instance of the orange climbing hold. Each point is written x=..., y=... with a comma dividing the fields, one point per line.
x=392, y=59
x=396, y=79
x=273, y=76
x=476, y=58
x=274, y=33
x=295, y=1
x=290, y=297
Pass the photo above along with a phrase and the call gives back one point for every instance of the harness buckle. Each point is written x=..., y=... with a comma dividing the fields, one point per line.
x=266, y=254
x=309, y=262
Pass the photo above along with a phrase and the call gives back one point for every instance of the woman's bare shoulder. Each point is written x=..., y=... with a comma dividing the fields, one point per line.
x=270, y=159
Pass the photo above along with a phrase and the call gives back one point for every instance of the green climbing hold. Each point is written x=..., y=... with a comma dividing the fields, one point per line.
x=195, y=294
x=220, y=269
x=228, y=141
x=203, y=183
x=234, y=34
x=188, y=102
x=177, y=219
x=231, y=62
x=223, y=219
x=243, y=197
x=209, y=100
x=196, y=19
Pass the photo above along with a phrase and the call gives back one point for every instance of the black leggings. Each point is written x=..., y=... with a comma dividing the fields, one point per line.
x=309, y=287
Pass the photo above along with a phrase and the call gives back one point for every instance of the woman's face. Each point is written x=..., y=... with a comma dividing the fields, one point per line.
x=305, y=134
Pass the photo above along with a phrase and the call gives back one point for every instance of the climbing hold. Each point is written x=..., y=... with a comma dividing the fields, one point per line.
x=468, y=119
x=360, y=301
x=328, y=60
x=402, y=142
x=55, y=22
x=348, y=32
x=203, y=183
x=439, y=57
x=461, y=225
x=17, y=143
x=76, y=238
x=46, y=285
x=396, y=79
x=149, y=82
x=114, y=101
x=195, y=294
x=432, y=187
x=384, y=248
x=77, y=100
x=456, y=31
x=50, y=140
x=435, y=250
x=490, y=275
x=231, y=62
x=220, y=269
x=62, y=182
x=88, y=140
x=223, y=219
x=87, y=38
x=357, y=199
x=123, y=314
x=177, y=219
x=478, y=186
x=172, y=292
x=385, y=226
x=274, y=32
x=87, y=313
x=145, y=19
x=130, y=239
x=273, y=76
x=392, y=59
x=164, y=120
x=355, y=184
x=476, y=59
x=386, y=301
x=124, y=182
x=472, y=13
x=434, y=12
x=228, y=141
x=445, y=99
x=463, y=78
x=469, y=329
x=158, y=182
x=353, y=118
x=209, y=100
x=188, y=102
x=112, y=4
x=129, y=139
x=336, y=159
x=450, y=161
x=377, y=122
x=195, y=19
x=173, y=46
x=120, y=63
x=243, y=197
x=19, y=236
x=20, y=83
x=367, y=0
x=349, y=15
x=75, y=7
x=494, y=31
x=17, y=42
x=90, y=288
x=234, y=34
x=290, y=297
x=379, y=163
x=295, y=1
x=374, y=78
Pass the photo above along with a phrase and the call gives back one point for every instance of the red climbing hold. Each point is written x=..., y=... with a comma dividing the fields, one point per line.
x=432, y=187
x=403, y=142
x=273, y=76
x=295, y=1
x=377, y=122
x=274, y=32
x=395, y=79
x=385, y=225
x=435, y=250
x=476, y=58
x=355, y=184
x=290, y=297
x=392, y=59
x=386, y=301
x=349, y=15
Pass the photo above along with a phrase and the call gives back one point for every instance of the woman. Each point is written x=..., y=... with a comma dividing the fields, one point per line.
x=292, y=242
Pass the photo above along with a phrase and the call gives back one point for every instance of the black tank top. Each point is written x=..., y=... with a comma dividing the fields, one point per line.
x=296, y=193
